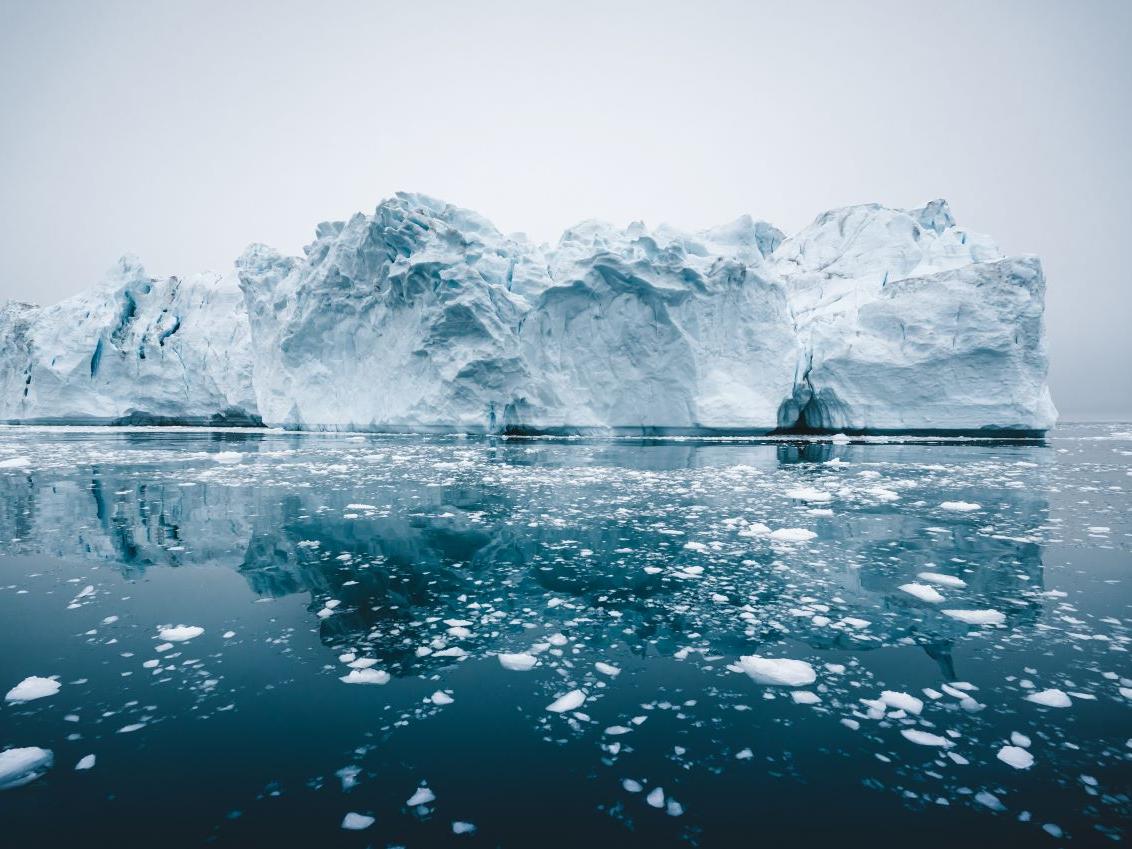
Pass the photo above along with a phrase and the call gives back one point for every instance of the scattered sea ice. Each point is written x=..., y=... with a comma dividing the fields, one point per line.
x=15, y=463
x=440, y=698
x=463, y=828
x=902, y=701
x=942, y=580
x=22, y=766
x=1051, y=698
x=923, y=592
x=571, y=701
x=924, y=738
x=805, y=697
x=180, y=633
x=1016, y=757
x=366, y=676
x=632, y=786
x=656, y=797
x=31, y=688
x=356, y=822
x=607, y=669
x=960, y=506
x=520, y=662
x=792, y=535
x=422, y=796
x=989, y=800
x=778, y=671
x=977, y=617
x=809, y=494
x=86, y=762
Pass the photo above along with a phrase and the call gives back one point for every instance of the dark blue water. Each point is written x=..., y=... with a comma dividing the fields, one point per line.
x=424, y=559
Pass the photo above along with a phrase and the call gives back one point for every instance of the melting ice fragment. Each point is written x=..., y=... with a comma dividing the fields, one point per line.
x=23, y=765
x=519, y=662
x=960, y=506
x=85, y=762
x=607, y=669
x=656, y=797
x=440, y=698
x=1016, y=757
x=459, y=827
x=571, y=701
x=422, y=796
x=942, y=580
x=1051, y=698
x=924, y=738
x=356, y=822
x=902, y=701
x=923, y=592
x=179, y=633
x=366, y=676
x=778, y=671
x=32, y=688
x=977, y=617
x=792, y=535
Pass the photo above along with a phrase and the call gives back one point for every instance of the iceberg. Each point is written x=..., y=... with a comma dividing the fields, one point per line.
x=424, y=317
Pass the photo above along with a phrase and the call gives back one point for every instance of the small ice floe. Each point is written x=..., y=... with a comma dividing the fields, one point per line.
x=902, y=701
x=792, y=535
x=519, y=662
x=348, y=775
x=989, y=800
x=607, y=669
x=571, y=701
x=777, y=671
x=744, y=755
x=1019, y=739
x=422, y=796
x=441, y=698
x=923, y=592
x=1016, y=757
x=810, y=495
x=617, y=730
x=365, y=676
x=24, y=765
x=15, y=463
x=696, y=546
x=179, y=633
x=942, y=580
x=977, y=617
x=1051, y=698
x=85, y=762
x=839, y=439
x=228, y=635
x=632, y=785
x=227, y=457
x=356, y=822
x=656, y=797
x=924, y=738
x=805, y=697
x=960, y=506
x=131, y=728
x=33, y=688
x=459, y=827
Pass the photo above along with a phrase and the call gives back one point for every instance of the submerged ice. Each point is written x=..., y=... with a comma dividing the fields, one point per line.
x=423, y=316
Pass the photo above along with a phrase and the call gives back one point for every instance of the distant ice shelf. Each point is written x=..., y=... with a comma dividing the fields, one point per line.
x=424, y=317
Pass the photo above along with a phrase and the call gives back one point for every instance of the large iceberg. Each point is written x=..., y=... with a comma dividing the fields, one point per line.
x=423, y=316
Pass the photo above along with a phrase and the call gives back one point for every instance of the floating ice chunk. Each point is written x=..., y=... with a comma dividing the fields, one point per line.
x=607, y=669
x=85, y=762
x=924, y=738
x=422, y=796
x=656, y=797
x=792, y=535
x=744, y=755
x=809, y=494
x=1016, y=757
x=227, y=457
x=977, y=617
x=356, y=822
x=571, y=701
x=348, y=775
x=632, y=786
x=22, y=766
x=942, y=580
x=228, y=635
x=778, y=671
x=616, y=730
x=989, y=800
x=520, y=662
x=1019, y=739
x=696, y=546
x=960, y=506
x=459, y=827
x=32, y=688
x=674, y=808
x=923, y=592
x=366, y=676
x=15, y=463
x=902, y=701
x=1051, y=698
x=805, y=697
x=839, y=439
x=362, y=662
x=755, y=529
x=180, y=633
x=440, y=698
x=131, y=728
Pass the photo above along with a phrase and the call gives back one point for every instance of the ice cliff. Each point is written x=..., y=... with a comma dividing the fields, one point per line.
x=423, y=316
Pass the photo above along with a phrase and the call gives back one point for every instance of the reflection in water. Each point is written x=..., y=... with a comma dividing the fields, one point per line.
x=659, y=540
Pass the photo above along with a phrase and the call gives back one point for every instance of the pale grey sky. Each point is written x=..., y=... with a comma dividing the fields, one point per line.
x=182, y=131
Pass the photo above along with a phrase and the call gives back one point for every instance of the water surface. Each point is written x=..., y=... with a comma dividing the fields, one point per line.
x=426, y=558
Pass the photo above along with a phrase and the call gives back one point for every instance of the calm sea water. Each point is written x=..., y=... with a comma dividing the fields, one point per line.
x=634, y=576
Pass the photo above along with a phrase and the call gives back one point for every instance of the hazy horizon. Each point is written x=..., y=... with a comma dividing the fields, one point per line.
x=182, y=133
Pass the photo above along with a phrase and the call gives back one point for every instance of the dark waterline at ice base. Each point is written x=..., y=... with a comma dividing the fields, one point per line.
x=274, y=639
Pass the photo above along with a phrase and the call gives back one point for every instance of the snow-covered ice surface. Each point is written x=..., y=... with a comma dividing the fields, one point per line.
x=423, y=316
x=217, y=597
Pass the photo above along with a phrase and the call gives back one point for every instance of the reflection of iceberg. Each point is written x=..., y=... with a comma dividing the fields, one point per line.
x=409, y=536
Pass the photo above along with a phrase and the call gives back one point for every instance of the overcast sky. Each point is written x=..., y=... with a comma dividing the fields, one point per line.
x=182, y=131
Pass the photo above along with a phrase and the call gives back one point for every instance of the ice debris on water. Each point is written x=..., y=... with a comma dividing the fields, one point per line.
x=31, y=688
x=778, y=671
x=570, y=701
x=21, y=766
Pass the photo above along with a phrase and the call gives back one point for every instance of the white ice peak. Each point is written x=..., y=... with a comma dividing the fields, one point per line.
x=424, y=316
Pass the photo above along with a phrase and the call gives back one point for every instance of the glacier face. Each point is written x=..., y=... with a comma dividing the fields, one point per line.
x=423, y=316
x=131, y=350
